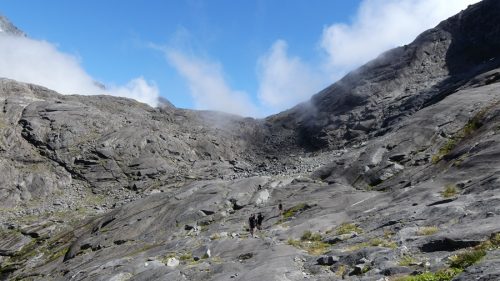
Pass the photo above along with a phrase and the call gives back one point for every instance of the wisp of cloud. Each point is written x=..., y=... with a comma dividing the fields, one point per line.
x=285, y=81
x=40, y=62
x=207, y=85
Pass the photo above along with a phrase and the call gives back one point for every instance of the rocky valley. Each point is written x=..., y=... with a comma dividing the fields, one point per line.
x=391, y=173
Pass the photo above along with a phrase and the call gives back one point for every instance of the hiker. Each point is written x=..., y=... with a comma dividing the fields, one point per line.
x=260, y=219
x=280, y=208
x=251, y=222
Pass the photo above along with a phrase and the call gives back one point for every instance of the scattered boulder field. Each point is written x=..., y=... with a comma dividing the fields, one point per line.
x=389, y=174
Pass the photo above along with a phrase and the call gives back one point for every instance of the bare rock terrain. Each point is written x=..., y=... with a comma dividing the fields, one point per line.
x=389, y=174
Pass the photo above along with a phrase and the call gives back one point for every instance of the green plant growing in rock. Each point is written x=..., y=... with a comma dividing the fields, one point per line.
x=294, y=210
x=407, y=260
x=444, y=150
x=374, y=242
x=347, y=228
x=309, y=236
x=427, y=230
x=458, y=262
x=388, y=234
x=468, y=129
x=466, y=258
x=186, y=256
x=342, y=271
x=164, y=259
x=491, y=244
x=450, y=190
x=311, y=243
x=441, y=275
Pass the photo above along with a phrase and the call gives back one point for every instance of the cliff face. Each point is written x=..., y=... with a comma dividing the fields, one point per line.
x=389, y=172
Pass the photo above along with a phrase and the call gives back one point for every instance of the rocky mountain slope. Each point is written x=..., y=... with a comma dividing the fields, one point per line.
x=389, y=174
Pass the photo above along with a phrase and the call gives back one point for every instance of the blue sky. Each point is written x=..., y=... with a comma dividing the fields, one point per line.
x=247, y=57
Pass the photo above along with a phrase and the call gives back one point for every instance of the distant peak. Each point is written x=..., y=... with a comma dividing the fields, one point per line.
x=7, y=27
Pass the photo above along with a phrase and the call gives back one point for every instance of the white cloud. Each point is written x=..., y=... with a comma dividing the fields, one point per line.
x=208, y=86
x=380, y=25
x=138, y=89
x=40, y=62
x=285, y=81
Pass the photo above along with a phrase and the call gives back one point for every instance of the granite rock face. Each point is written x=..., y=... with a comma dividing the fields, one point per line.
x=392, y=171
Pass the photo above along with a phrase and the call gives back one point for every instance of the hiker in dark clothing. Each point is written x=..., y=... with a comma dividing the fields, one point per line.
x=280, y=208
x=260, y=219
x=251, y=222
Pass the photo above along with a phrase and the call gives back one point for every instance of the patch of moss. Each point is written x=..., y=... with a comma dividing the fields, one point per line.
x=294, y=210
x=427, y=230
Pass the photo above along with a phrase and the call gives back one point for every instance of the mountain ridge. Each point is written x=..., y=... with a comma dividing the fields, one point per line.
x=389, y=173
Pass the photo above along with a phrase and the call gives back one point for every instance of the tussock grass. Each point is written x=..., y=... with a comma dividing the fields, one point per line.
x=407, y=260
x=450, y=190
x=309, y=236
x=347, y=228
x=375, y=242
x=442, y=275
x=427, y=230
x=466, y=258
x=310, y=242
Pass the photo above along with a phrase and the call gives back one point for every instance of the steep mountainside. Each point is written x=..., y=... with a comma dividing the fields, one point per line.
x=375, y=98
x=389, y=174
